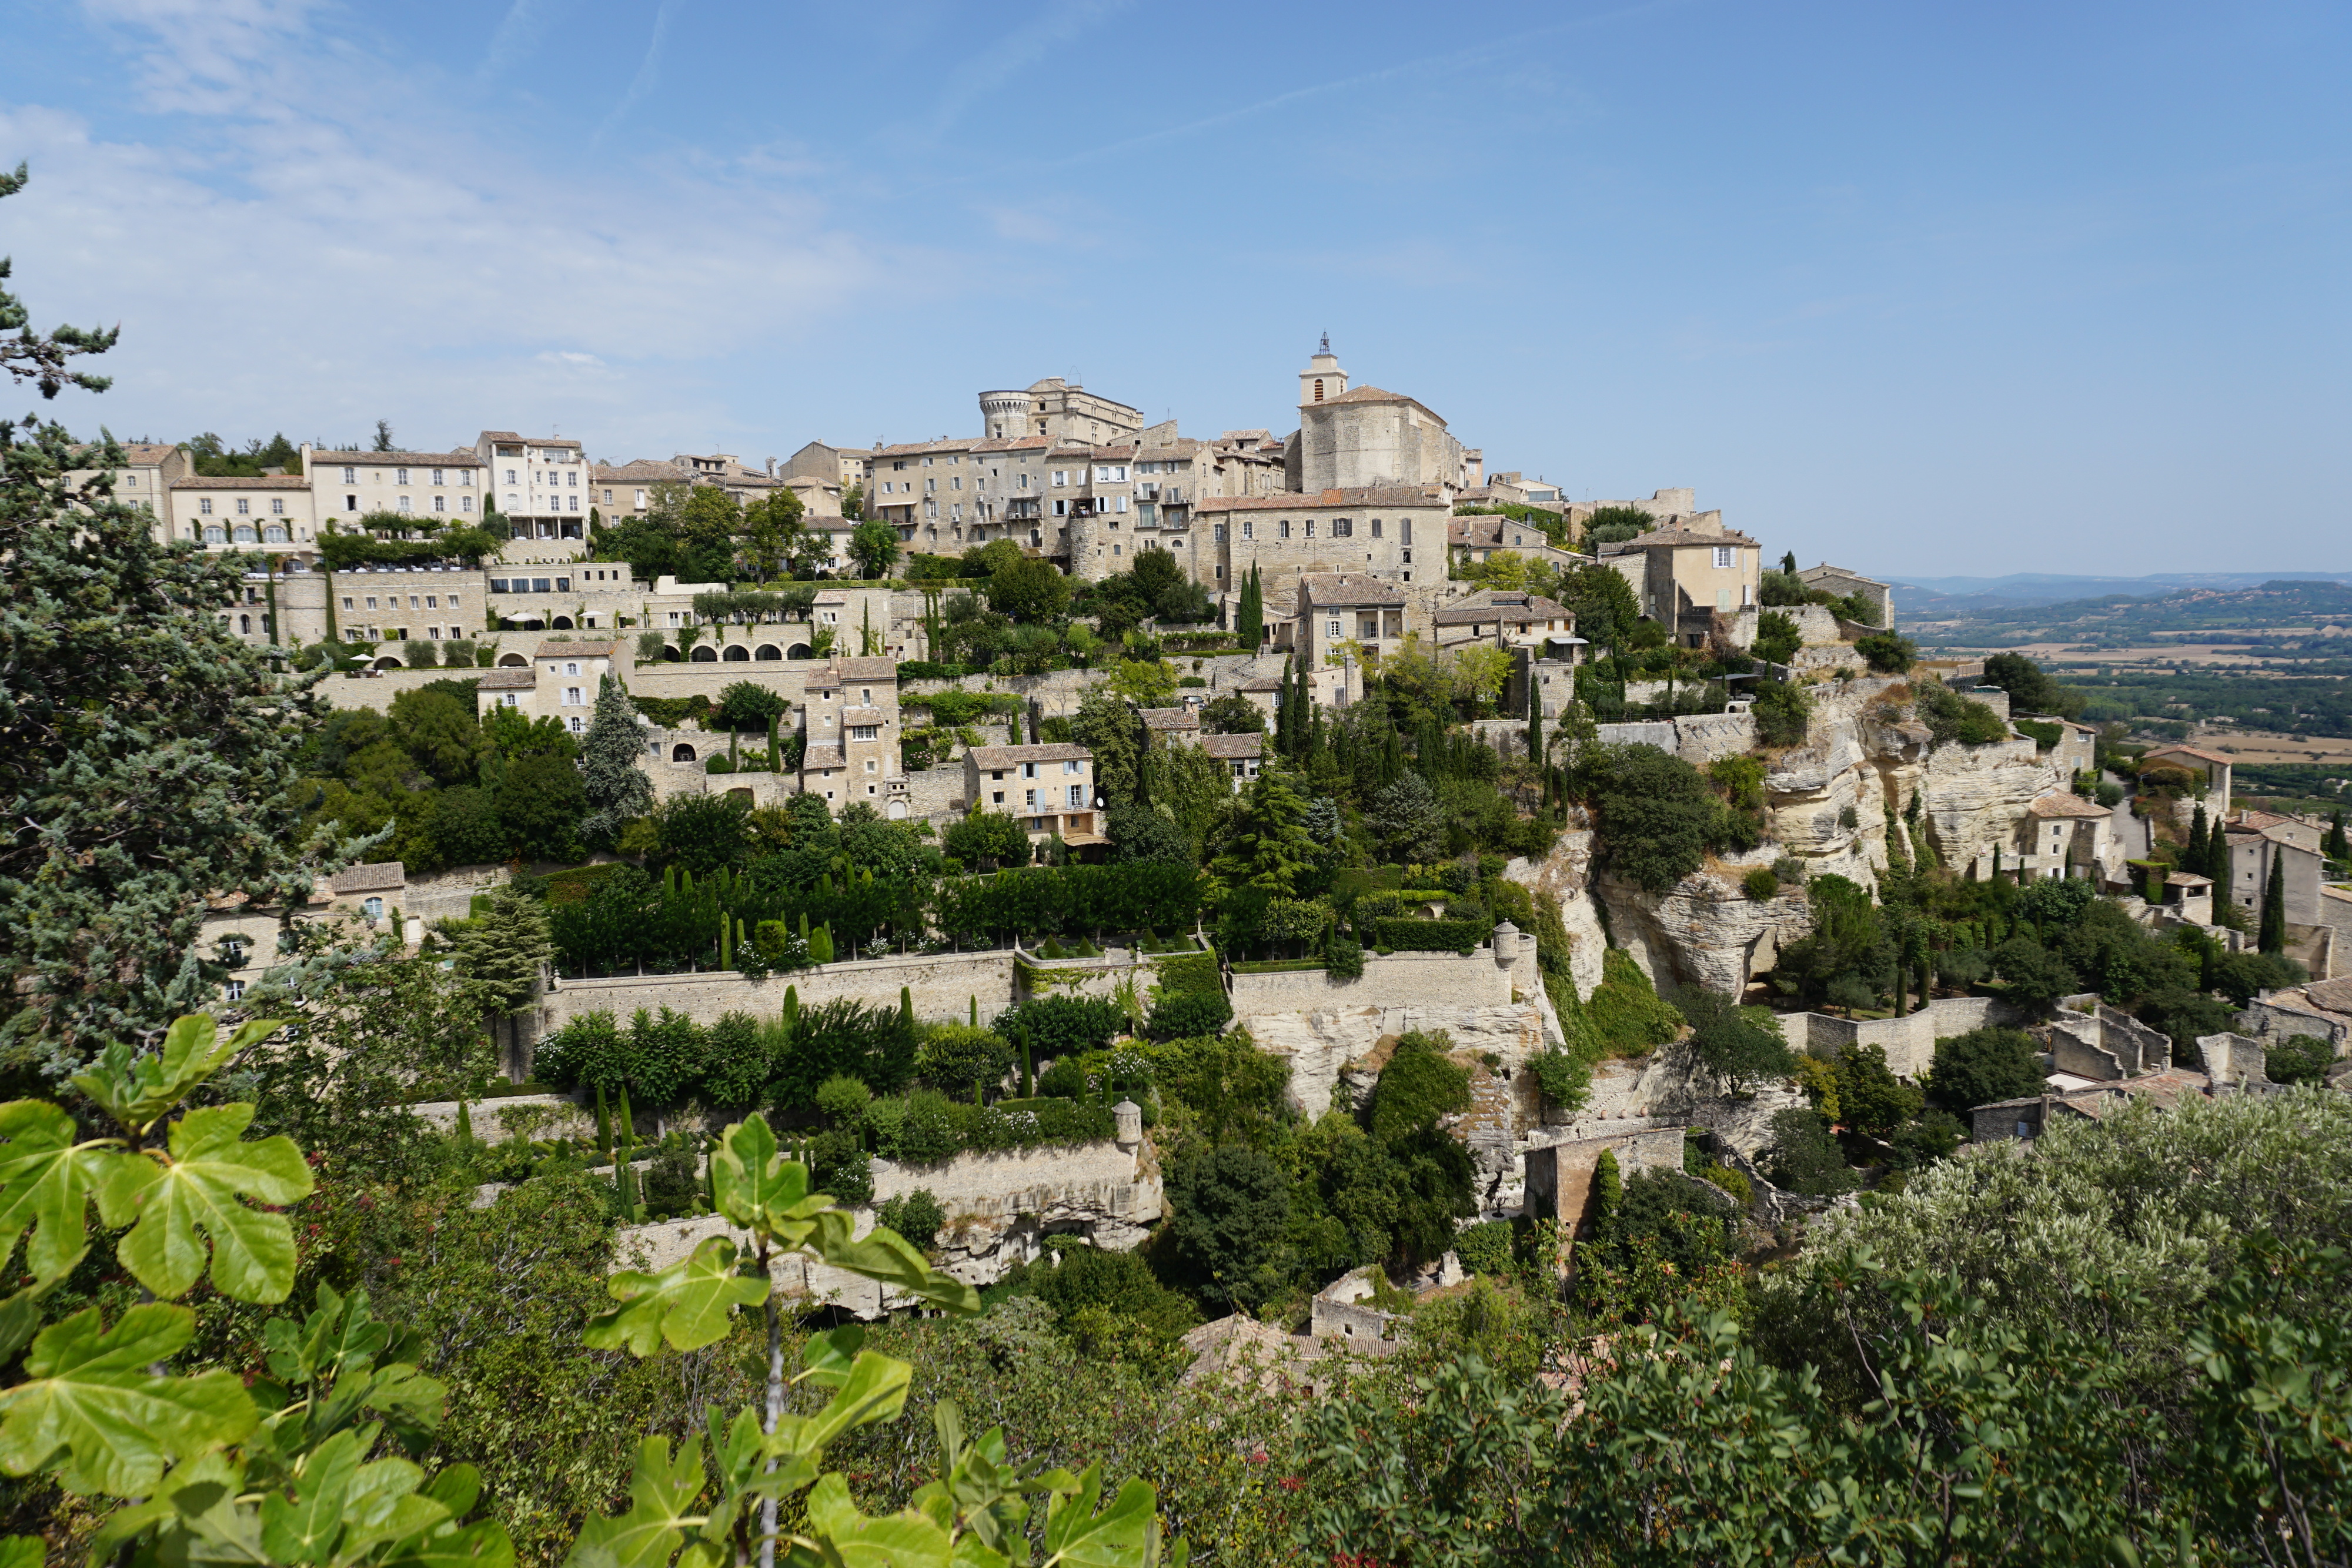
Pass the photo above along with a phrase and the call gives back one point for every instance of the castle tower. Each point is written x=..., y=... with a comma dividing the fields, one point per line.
x=1004, y=414
x=1322, y=380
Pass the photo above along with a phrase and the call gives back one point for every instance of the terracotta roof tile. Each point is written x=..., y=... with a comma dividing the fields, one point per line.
x=1233, y=748
x=261, y=482
x=993, y=757
x=2056, y=804
x=376, y=878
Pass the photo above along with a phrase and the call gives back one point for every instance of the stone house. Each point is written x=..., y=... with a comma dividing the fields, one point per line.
x=2032, y=1115
x=565, y=677
x=1062, y=411
x=1689, y=577
x=1481, y=536
x=851, y=718
x=2210, y=769
x=1333, y=610
x=1375, y=531
x=258, y=514
x=1509, y=618
x=1049, y=786
x=2061, y=834
x=1847, y=584
x=1243, y=753
x=837, y=467
x=2255, y=837
x=1178, y=726
x=449, y=488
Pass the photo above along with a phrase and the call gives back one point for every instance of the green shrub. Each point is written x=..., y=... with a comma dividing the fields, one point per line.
x=2045, y=736
x=1626, y=1010
x=1888, y=654
x=1805, y=1158
x=1406, y=936
x=1343, y=956
x=916, y=1216
x=1950, y=717
x=718, y=764
x=1731, y=1181
x=1188, y=1015
x=1195, y=972
x=1761, y=883
x=838, y=1166
x=2302, y=1059
x=1781, y=712
x=1485, y=1248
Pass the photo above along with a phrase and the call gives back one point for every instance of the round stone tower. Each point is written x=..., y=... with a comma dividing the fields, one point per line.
x=1003, y=414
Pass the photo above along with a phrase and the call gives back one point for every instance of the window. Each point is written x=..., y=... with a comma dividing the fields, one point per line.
x=1024, y=481
x=956, y=483
x=371, y=602
x=1376, y=528
x=1318, y=389
x=579, y=725
x=1722, y=558
x=1249, y=531
x=1061, y=477
x=350, y=503
x=245, y=624
x=608, y=498
x=1343, y=527
x=572, y=669
x=1029, y=799
x=372, y=908
x=350, y=476
x=571, y=696
x=1404, y=530
x=440, y=503
x=1071, y=766
x=1310, y=528
x=400, y=476
x=432, y=601
x=1218, y=532
x=1282, y=529
x=1077, y=796
x=404, y=502
x=347, y=601
x=510, y=476
x=641, y=499
x=465, y=476
x=235, y=989
x=572, y=477
x=865, y=732
x=1333, y=628
x=563, y=585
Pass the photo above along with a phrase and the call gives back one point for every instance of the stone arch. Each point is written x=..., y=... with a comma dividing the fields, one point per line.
x=513, y=662
x=800, y=651
x=897, y=811
x=705, y=655
x=670, y=655
x=389, y=662
x=681, y=752
x=560, y=623
x=742, y=791
x=737, y=653
x=769, y=651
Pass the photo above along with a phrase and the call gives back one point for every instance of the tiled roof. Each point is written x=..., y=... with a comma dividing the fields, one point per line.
x=376, y=878
x=865, y=669
x=1262, y=684
x=261, y=482
x=570, y=649
x=1374, y=394
x=820, y=758
x=993, y=757
x=1298, y=501
x=1171, y=718
x=138, y=454
x=1825, y=570
x=652, y=470
x=2182, y=879
x=465, y=459
x=1233, y=748
x=2331, y=996
x=1347, y=589
x=2190, y=751
x=1526, y=608
x=526, y=440
x=509, y=679
x=2056, y=804
x=1684, y=538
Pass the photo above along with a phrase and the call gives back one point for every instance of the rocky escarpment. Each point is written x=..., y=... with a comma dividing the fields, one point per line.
x=1826, y=808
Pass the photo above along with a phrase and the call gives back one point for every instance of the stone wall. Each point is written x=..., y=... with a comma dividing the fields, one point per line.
x=1001, y=1206
x=1698, y=738
x=2279, y=1015
x=942, y=985
x=2230, y=1059
x=1395, y=981
x=1910, y=1041
x=1560, y=1171
x=2105, y=1044
x=1324, y=1045
x=935, y=795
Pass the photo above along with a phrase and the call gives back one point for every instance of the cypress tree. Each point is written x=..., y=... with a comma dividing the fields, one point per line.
x=2338, y=846
x=1025, y=1089
x=1534, y=721
x=726, y=942
x=465, y=1122
x=2271, y=935
x=775, y=748
x=603, y=1126
x=2194, y=856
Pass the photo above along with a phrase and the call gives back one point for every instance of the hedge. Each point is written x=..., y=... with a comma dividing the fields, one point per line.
x=1195, y=972
x=1430, y=935
x=1040, y=900
x=933, y=1127
x=924, y=669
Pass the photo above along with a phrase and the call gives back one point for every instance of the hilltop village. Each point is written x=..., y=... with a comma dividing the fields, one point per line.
x=960, y=800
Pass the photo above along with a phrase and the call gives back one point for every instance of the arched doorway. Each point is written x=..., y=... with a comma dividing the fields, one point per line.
x=705, y=655
x=561, y=623
x=737, y=654
x=670, y=655
x=681, y=752
x=388, y=663
x=513, y=662
x=800, y=651
x=769, y=651
x=897, y=811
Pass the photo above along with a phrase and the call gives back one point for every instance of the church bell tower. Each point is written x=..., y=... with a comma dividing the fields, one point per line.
x=1322, y=380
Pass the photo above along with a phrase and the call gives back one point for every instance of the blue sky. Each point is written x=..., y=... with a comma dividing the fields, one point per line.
x=1921, y=288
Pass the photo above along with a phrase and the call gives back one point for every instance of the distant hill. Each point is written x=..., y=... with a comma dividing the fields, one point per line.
x=1960, y=594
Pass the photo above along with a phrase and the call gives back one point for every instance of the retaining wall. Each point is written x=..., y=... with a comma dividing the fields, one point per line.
x=1909, y=1041
x=1698, y=738
x=1396, y=980
x=942, y=986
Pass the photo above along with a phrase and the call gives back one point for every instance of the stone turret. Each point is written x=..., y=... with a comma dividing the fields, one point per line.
x=1506, y=945
x=1128, y=1117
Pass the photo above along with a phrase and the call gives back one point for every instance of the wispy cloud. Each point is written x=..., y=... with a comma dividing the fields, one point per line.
x=519, y=31
x=648, y=73
x=1422, y=66
x=995, y=67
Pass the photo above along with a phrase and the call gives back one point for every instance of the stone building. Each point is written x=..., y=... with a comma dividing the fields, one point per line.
x=1689, y=576
x=1847, y=584
x=264, y=514
x=542, y=485
x=851, y=718
x=1061, y=411
x=145, y=479
x=1050, y=788
x=1365, y=438
x=1340, y=618
x=2255, y=837
x=2212, y=769
x=1244, y=754
x=2063, y=835
x=1372, y=532
x=442, y=489
x=1509, y=618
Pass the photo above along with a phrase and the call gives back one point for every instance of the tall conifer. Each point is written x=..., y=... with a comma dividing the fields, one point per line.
x=2271, y=934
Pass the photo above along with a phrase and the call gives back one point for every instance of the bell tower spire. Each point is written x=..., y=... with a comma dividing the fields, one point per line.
x=1322, y=380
